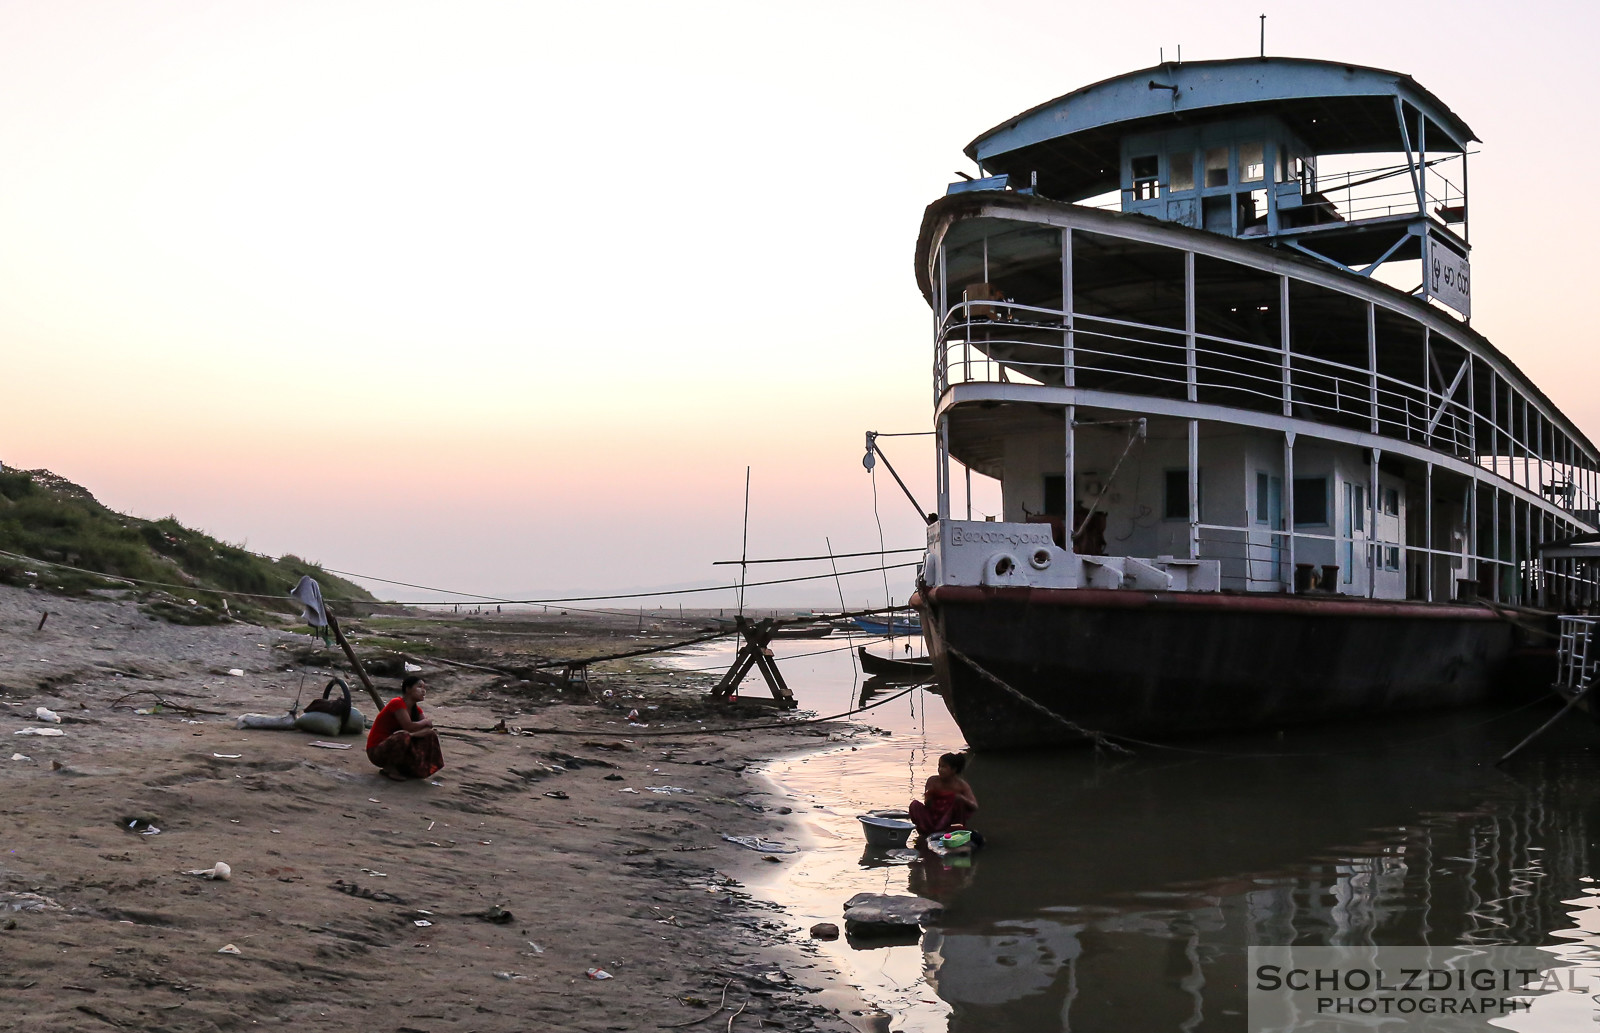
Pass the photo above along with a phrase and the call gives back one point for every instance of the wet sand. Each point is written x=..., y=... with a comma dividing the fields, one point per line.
x=528, y=859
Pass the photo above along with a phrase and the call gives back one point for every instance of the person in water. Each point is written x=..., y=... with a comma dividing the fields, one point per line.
x=947, y=800
x=403, y=743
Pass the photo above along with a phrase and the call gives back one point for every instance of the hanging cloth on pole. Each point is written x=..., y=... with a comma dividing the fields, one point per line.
x=309, y=594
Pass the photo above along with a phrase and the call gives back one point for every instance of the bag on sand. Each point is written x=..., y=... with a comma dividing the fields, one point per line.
x=328, y=715
x=339, y=708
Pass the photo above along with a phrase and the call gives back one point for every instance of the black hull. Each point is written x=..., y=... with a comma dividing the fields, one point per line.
x=1168, y=665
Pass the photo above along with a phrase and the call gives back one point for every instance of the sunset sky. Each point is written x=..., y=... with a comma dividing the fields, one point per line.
x=505, y=297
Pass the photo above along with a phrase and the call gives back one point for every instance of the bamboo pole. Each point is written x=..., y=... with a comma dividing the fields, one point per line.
x=361, y=672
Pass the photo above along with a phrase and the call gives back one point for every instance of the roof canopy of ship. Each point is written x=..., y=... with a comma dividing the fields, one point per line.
x=1072, y=142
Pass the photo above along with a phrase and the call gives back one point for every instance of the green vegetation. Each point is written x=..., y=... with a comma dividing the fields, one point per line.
x=49, y=518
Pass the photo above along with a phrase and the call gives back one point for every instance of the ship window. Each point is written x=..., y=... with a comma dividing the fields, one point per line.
x=1176, y=506
x=1217, y=167
x=1310, y=500
x=1146, y=177
x=1182, y=174
x=1391, y=558
x=1391, y=501
x=1261, y=498
x=1252, y=164
x=1305, y=170
x=1357, y=503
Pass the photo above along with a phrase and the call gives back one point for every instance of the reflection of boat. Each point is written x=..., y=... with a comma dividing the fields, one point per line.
x=1112, y=903
x=1228, y=497
x=906, y=625
x=894, y=668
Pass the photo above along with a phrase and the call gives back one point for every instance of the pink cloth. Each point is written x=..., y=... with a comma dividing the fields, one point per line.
x=945, y=811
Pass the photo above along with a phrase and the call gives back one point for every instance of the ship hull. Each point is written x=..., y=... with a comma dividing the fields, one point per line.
x=1153, y=665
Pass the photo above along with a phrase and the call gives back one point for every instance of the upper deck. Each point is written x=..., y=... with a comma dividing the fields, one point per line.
x=1358, y=167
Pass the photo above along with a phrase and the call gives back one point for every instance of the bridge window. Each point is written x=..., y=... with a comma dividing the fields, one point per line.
x=1146, y=177
x=1252, y=164
x=1310, y=501
x=1182, y=175
x=1217, y=167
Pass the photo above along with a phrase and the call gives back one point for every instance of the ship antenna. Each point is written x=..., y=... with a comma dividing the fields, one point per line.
x=1263, y=35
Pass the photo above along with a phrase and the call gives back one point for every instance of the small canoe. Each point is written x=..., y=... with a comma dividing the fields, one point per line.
x=892, y=667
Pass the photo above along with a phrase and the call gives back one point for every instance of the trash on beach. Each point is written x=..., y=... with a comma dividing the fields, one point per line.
x=235, y=672
x=556, y=794
x=494, y=914
x=19, y=756
x=375, y=875
x=668, y=790
x=536, y=948
x=280, y=722
x=633, y=715
x=411, y=668
x=227, y=756
x=330, y=745
x=229, y=949
x=219, y=872
x=598, y=973
x=630, y=789
x=31, y=902
x=143, y=826
x=39, y=731
x=757, y=843
x=46, y=715
x=505, y=975
x=421, y=923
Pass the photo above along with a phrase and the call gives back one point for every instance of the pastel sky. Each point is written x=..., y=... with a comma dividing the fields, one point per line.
x=504, y=297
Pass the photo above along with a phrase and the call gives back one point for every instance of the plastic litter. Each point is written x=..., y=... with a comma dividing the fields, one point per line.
x=331, y=745
x=668, y=790
x=766, y=846
x=141, y=826
x=509, y=975
x=412, y=668
x=39, y=731
x=27, y=902
x=46, y=715
x=229, y=949
x=630, y=789
x=219, y=872
x=536, y=948
x=421, y=923
x=598, y=973
x=19, y=756
x=375, y=875
x=236, y=672
x=227, y=756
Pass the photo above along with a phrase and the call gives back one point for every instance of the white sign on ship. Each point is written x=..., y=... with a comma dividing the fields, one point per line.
x=1449, y=278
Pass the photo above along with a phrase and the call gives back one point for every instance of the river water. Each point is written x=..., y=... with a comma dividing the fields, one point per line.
x=1121, y=893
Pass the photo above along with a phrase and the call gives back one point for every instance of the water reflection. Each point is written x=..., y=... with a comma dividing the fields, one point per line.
x=1123, y=894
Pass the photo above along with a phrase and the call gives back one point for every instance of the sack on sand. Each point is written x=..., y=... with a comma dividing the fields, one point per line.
x=355, y=722
x=319, y=723
x=280, y=722
x=338, y=706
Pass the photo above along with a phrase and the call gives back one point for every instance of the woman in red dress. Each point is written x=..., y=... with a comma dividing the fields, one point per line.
x=403, y=743
x=947, y=800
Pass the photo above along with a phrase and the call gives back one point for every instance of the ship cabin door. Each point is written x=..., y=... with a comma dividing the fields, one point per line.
x=1266, y=540
x=1353, y=546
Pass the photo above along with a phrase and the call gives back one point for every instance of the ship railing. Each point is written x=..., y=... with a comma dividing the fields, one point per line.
x=1256, y=556
x=1575, y=654
x=1371, y=193
x=1006, y=342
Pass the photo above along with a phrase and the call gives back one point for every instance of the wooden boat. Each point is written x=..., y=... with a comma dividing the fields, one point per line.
x=894, y=667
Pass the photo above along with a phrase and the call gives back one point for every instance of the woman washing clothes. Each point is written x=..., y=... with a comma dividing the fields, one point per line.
x=403, y=743
x=947, y=800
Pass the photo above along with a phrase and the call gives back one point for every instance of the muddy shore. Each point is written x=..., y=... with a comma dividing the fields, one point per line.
x=530, y=860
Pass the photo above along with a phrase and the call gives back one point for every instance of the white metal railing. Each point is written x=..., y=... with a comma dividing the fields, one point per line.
x=1576, y=658
x=1015, y=343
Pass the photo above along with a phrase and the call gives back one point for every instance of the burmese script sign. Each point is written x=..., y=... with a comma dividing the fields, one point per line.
x=1449, y=278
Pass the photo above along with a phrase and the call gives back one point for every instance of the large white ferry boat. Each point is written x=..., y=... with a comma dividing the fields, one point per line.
x=1208, y=326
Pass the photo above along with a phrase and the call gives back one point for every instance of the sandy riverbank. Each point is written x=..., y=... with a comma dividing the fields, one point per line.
x=641, y=885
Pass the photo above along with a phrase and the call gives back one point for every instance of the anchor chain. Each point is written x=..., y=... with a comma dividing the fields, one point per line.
x=1100, y=739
